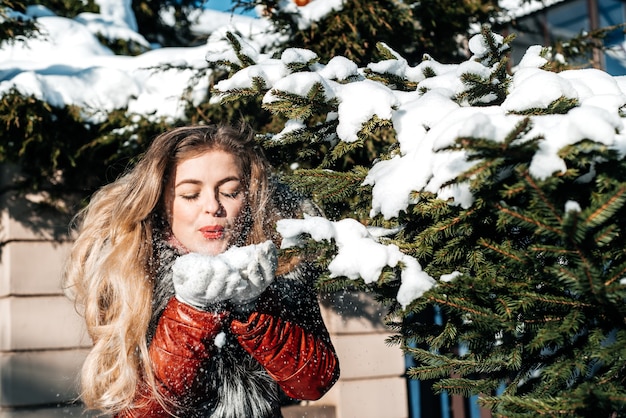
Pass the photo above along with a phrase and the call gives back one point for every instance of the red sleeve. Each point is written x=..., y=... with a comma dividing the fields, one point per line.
x=183, y=341
x=303, y=364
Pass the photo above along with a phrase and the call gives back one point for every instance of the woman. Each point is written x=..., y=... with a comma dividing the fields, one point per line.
x=190, y=312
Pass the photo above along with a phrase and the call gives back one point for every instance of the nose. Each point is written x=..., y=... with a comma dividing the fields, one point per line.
x=212, y=204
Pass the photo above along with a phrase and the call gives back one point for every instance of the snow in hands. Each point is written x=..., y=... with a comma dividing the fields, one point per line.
x=239, y=275
x=427, y=122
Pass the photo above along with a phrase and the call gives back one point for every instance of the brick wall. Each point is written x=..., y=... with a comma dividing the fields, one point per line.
x=372, y=383
x=42, y=340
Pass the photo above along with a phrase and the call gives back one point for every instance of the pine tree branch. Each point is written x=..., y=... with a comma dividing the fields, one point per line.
x=500, y=250
x=526, y=219
x=539, y=191
x=459, y=306
x=326, y=185
x=620, y=273
x=245, y=60
x=561, y=106
x=554, y=300
x=605, y=236
x=608, y=209
x=465, y=387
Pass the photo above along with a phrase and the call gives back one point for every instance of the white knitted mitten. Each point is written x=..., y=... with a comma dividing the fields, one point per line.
x=239, y=274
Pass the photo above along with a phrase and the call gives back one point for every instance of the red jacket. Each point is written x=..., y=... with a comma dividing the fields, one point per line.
x=281, y=342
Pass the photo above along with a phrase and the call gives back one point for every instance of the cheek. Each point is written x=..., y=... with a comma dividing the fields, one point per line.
x=236, y=212
x=238, y=209
x=181, y=214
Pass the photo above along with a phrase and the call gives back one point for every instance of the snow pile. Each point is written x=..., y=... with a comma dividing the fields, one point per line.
x=310, y=13
x=519, y=8
x=67, y=65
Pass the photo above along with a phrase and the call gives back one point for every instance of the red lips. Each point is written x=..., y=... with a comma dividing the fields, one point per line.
x=212, y=232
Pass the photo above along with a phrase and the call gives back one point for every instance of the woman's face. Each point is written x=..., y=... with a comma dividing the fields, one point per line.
x=205, y=201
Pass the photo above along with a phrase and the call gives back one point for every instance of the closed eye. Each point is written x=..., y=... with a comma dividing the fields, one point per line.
x=232, y=195
x=191, y=196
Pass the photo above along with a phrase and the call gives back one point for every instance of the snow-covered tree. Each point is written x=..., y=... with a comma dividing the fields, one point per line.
x=498, y=200
x=63, y=141
x=80, y=146
x=353, y=28
x=14, y=25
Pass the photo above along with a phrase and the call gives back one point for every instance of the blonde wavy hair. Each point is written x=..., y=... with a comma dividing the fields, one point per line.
x=110, y=270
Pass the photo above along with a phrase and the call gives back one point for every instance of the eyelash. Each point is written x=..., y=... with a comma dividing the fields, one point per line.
x=190, y=196
x=231, y=195
x=194, y=196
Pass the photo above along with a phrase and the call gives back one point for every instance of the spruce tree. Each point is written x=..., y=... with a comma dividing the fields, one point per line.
x=353, y=30
x=529, y=277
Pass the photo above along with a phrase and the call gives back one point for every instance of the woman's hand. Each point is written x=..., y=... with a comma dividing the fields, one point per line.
x=258, y=273
x=240, y=275
x=304, y=364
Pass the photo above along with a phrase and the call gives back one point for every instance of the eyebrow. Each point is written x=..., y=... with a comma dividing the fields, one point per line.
x=197, y=182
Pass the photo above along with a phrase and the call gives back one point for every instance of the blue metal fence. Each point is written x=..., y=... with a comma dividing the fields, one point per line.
x=423, y=403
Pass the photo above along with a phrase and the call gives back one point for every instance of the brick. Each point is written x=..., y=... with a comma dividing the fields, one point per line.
x=367, y=356
x=39, y=377
x=372, y=398
x=32, y=268
x=351, y=313
x=23, y=218
x=44, y=322
x=308, y=411
x=62, y=411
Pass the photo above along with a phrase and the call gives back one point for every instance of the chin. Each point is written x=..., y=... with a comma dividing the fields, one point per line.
x=212, y=251
x=214, y=248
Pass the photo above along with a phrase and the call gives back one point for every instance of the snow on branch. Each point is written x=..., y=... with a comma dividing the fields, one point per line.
x=359, y=255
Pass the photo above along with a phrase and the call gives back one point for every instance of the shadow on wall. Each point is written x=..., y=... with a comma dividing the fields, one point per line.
x=355, y=305
x=39, y=379
x=31, y=217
